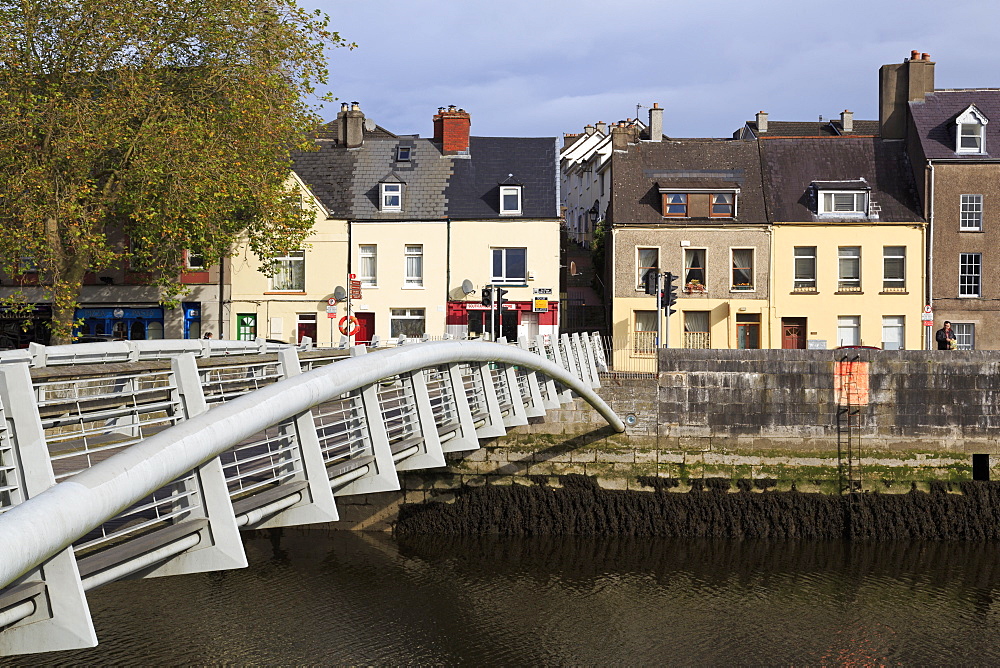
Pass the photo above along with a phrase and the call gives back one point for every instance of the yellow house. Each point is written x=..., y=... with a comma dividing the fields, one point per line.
x=292, y=302
x=848, y=244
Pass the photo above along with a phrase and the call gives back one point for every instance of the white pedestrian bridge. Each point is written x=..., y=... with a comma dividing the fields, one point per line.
x=142, y=459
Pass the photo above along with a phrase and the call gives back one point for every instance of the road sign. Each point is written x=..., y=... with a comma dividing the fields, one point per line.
x=927, y=316
x=352, y=276
x=355, y=288
x=332, y=301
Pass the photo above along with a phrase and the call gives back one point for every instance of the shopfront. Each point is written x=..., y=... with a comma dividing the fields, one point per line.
x=517, y=319
x=121, y=323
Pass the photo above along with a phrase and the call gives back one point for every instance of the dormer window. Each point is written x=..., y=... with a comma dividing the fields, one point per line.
x=842, y=198
x=970, y=132
x=391, y=196
x=844, y=202
x=510, y=200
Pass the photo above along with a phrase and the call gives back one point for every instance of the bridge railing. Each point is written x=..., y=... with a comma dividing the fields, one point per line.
x=164, y=456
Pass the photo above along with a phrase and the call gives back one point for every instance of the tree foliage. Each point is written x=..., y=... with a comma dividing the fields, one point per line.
x=131, y=131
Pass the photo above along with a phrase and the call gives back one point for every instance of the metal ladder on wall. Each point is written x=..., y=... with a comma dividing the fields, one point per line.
x=849, y=432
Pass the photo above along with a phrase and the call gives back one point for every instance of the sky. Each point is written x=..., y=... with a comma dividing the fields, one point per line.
x=541, y=68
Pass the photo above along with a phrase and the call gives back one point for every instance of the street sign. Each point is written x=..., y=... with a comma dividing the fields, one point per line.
x=352, y=276
x=355, y=288
x=927, y=317
x=540, y=305
x=542, y=291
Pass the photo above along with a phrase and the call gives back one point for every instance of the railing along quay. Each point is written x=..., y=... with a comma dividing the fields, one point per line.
x=145, y=459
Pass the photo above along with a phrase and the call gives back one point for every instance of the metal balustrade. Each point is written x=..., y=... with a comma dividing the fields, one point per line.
x=146, y=459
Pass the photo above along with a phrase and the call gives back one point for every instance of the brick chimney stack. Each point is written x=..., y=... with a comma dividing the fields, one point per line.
x=451, y=128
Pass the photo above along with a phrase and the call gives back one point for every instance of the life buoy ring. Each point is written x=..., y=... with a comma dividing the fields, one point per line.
x=349, y=325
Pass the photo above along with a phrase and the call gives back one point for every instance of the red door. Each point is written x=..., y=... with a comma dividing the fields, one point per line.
x=366, y=327
x=793, y=333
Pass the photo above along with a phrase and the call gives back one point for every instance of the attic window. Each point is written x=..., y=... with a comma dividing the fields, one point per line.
x=391, y=196
x=403, y=153
x=843, y=202
x=970, y=131
x=510, y=200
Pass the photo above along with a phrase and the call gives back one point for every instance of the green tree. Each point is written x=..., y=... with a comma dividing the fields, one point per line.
x=131, y=131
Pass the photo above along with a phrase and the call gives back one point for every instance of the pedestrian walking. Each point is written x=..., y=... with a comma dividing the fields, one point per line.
x=945, y=337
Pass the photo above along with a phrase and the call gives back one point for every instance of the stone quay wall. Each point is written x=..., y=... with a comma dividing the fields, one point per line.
x=768, y=418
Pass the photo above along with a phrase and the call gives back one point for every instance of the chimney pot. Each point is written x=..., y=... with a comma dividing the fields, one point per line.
x=914, y=55
x=656, y=105
x=344, y=106
x=925, y=56
x=451, y=107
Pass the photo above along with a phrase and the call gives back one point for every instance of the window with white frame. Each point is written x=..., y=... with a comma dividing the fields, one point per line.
x=805, y=269
x=649, y=263
x=403, y=153
x=894, y=268
x=391, y=196
x=194, y=261
x=849, y=269
x=965, y=335
x=510, y=265
x=972, y=213
x=368, y=274
x=845, y=202
x=510, y=200
x=289, y=272
x=414, y=265
x=849, y=330
x=970, y=131
x=408, y=322
x=742, y=273
x=892, y=332
x=970, y=273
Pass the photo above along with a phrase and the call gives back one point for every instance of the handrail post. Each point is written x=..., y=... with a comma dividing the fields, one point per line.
x=432, y=455
x=467, y=439
x=494, y=422
x=221, y=546
x=61, y=617
x=518, y=415
x=551, y=400
x=580, y=357
x=383, y=476
x=536, y=408
x=317, y=504
x=566, y=395
x=588, y=348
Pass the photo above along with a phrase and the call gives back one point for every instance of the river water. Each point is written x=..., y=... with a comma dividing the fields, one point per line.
x=319, y=597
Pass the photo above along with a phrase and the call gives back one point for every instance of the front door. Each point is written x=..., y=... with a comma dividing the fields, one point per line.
x=793, y=333
x=366, y=327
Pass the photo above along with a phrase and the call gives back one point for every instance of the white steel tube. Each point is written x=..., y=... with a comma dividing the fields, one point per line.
x=143, y=561
x=16, y=613
x=85, y=501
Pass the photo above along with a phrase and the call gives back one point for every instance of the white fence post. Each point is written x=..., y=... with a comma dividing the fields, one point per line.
x=494, y=422
x=536, y=408
x=560, y=351
x=61, y=618
x=588, y=349
x=551, y=399
x=431, y=454
x=467, y=439
x=317, y=504
x=221, y=546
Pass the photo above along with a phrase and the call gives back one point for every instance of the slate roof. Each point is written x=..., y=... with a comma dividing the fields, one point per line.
x=832, y=128
x=436, y=187
x=645, y=167
x=790, y=166
x=934, y=118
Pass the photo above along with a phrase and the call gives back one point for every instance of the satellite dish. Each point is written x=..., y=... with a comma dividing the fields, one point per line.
x=339, y=293
x=370, y=125
x=467, y=287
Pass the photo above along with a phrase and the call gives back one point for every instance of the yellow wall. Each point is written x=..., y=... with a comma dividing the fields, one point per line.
x=277, y=312
x=823, y=308
x=391, y=291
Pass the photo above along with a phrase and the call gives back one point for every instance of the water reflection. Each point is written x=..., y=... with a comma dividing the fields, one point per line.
x=322, y=597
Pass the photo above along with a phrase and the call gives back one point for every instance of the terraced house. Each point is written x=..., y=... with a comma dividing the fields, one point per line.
x=431, y=226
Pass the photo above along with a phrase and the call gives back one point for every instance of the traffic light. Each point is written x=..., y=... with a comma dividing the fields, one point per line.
x=501, y=295
x=669, y=295
x=487, y=296
x=650, y=282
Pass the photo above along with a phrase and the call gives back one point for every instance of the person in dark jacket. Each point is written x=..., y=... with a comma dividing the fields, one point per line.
x=945, y=337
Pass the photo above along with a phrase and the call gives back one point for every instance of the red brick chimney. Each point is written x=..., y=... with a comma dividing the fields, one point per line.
x=451, y=128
